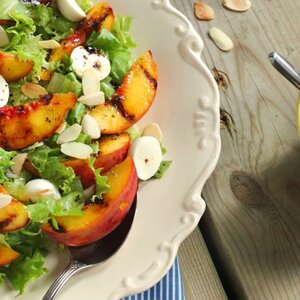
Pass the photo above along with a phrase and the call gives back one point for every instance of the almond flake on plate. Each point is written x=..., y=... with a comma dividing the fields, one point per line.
x=76, y=150
x=237, y=5
x=203, y=11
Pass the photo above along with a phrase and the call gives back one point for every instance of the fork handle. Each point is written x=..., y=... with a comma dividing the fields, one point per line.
x=285, y=68
x=74, y=267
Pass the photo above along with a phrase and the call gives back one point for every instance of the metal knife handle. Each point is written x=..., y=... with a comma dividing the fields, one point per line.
x=285, y=68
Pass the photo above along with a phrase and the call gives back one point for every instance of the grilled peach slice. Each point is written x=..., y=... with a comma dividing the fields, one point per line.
x=24, y=125
x=99, y=219
x=112, y=150
x=132, y=99
x=12, y=68
x=99, y=16
x=7, y=255
x=13, y=216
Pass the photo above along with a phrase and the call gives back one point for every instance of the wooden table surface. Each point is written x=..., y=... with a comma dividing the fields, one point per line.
x=252, y=223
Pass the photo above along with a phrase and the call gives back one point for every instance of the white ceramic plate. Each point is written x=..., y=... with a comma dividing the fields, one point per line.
x=187, y=109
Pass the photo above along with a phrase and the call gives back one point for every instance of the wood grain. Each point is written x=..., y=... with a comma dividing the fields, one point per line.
x=253, y=197
x=201, y=281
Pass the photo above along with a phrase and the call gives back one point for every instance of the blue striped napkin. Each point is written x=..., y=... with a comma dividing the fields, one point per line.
x=169, y=288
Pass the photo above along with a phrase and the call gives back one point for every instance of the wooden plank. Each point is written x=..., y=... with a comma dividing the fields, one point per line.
x=201, y=281
x=253, y=211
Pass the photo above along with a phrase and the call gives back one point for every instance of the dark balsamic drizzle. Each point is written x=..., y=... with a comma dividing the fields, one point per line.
x=46, y=98
x=90, y=49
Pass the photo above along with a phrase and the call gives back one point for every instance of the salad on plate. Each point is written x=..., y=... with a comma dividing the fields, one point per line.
x=71, y=154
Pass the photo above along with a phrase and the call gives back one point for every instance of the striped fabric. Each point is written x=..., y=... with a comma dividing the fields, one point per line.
x=169, y=288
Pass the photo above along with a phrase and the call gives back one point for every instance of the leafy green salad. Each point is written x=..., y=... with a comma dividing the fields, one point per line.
x=25, y=24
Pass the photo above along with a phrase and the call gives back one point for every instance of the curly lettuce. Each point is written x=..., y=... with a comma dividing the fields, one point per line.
x=32, y=244
x=33, y=23
x=5, y=163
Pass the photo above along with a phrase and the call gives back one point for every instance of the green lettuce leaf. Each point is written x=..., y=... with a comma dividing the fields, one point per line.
x=50, y=24
x=41, y=156
x=33, y=23
x=3, y=240
x=121, y=62
x=121, y=30
x=86, y=139
x=60, y=83
x=84, y=4
x=134, y=132
x=5, y=163
x=23, y=42
x=10, y=7
x=2, y=278
x=104, y=40
x=16, y=186
x=33, y=245
x=117, y=46
x=101, y=181
x=64, y=66
x=106, y=87
x=164, y=166
x=61, y=176
x=48, y=163
x=46, y=208
x=25, y=269
x=16, y=96
x=76, y=114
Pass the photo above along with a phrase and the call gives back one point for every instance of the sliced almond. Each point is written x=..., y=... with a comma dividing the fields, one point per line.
x=237, y=5
x=90, y=127
x=4, y=40
x=5, y=200
x=90, y=82
x=70, y=134
x=33, y=90
x=49, y=44
x=76, y=150
x=61, y=128
x=153, y=130
x=203, y=11
x=19, y=160
x=221, y=39
x=93, y=99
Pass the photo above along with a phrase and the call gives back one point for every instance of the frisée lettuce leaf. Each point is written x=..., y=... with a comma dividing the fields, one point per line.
x=32, y=244
x=33, y=23
x=101, y=184
x=47, y=208
x=5, y=163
